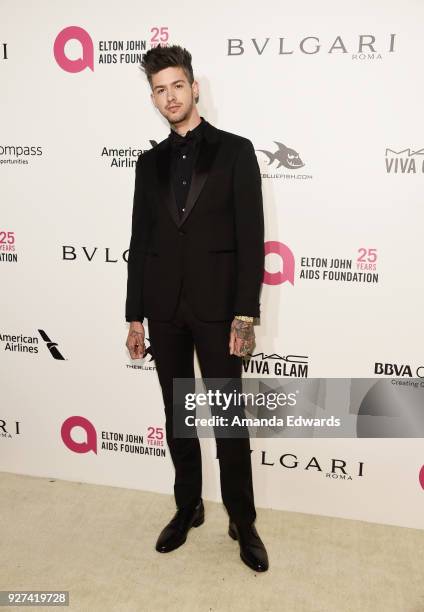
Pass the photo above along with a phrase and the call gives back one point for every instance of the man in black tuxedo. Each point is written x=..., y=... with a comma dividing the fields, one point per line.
x=195, y=268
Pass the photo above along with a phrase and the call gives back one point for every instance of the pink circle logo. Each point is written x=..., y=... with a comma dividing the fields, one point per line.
x=421, y=477
x=287, y=261
x=90, y=443
x=81, y=63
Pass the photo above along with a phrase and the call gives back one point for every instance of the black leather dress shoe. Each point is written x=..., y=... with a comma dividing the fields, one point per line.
x=175, y=532
x=252, y=549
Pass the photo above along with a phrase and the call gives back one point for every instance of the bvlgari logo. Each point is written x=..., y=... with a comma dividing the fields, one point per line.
x=334, y=469
x=366, y=46
x=9, y=428
x=71, y=252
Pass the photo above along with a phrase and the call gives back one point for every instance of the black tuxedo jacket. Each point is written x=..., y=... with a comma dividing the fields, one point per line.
x=216, y=249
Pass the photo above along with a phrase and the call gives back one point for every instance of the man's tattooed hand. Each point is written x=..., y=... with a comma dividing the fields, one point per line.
x=242, y=338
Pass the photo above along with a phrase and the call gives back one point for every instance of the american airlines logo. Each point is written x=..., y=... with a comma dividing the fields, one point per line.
x=20, y=343
x=52, y=346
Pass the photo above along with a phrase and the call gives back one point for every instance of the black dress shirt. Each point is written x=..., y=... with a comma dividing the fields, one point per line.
x=184, y=151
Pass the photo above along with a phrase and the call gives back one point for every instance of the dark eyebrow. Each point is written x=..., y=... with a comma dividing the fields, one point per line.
x=173, y=83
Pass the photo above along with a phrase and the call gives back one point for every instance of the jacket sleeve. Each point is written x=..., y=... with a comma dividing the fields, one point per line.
x=249, y=219
x=140, y=232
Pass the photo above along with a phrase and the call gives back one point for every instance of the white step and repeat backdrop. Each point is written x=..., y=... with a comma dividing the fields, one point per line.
x=330, y=93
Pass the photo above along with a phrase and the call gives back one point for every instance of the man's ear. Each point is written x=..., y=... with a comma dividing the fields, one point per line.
x=153, y=99
x=195, y=89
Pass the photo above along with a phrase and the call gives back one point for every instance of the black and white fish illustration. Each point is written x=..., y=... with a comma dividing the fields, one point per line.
x=289, y=158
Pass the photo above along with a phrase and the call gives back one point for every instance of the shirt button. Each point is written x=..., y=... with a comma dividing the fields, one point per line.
x=183, y=209
x=184, y=156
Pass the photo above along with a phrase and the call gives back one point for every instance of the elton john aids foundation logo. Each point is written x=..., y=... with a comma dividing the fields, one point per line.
x=87, y=445
x=81, y=63
x=287, y=261
x=421, y=477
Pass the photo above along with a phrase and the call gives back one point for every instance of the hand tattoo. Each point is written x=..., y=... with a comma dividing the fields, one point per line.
x=244, y=336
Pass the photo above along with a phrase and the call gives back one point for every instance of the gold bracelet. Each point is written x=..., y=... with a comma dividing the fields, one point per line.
x=244, y=318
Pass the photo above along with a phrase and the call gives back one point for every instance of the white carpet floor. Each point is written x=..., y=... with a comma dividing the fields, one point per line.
x=97, y=542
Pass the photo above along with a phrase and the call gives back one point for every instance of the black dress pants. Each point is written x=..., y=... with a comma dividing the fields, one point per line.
x=173, y=344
